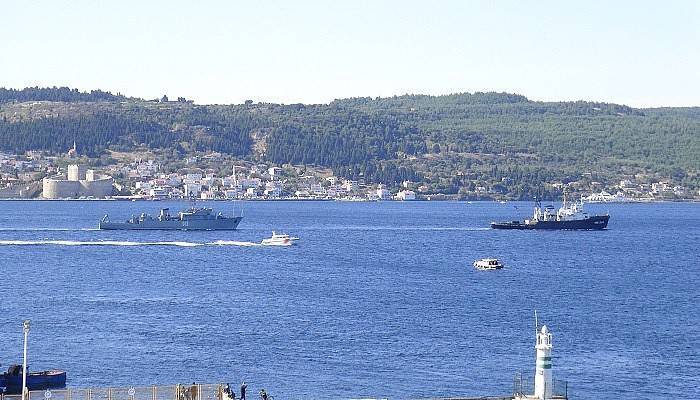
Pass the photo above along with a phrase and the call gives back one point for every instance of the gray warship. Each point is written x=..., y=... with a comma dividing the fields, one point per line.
x=193, y=218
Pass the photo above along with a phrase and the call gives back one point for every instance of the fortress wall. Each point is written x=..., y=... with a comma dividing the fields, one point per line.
x=100, y=186
x=97, y=188
x=58, y=188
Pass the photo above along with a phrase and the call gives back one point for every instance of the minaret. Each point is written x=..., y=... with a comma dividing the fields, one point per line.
x=73, y=151
x=543, y=367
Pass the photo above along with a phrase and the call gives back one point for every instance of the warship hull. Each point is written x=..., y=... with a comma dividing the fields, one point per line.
x=596, y=222
x=221, y=224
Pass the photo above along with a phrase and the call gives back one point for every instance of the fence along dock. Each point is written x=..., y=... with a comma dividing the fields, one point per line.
x=167, y=392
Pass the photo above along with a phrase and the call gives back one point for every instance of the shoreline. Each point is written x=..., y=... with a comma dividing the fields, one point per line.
x=439, y=200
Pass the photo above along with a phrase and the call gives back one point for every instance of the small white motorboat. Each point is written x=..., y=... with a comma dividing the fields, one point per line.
x=279, y=239
x=486, y=264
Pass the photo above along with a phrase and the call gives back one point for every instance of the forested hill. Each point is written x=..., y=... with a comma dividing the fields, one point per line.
x=451, y=142
x=56, y=94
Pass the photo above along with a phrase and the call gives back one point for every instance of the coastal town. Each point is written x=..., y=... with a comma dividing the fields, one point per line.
x=349, y=200
x=212, y=176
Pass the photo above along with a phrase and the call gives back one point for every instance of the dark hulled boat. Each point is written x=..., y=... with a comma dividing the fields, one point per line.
x=51, y=379
x=569, y=216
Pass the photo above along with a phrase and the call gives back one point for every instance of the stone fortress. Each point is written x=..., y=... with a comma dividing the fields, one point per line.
x=80, y=182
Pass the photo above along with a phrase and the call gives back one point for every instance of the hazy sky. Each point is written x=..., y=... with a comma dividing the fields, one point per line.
x=640, y=53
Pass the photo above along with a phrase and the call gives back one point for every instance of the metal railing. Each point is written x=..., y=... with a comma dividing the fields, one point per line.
x=171, y=392
x=525, y=386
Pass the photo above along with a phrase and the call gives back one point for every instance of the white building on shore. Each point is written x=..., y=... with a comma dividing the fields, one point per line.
x=383, y=193
x=405, y=195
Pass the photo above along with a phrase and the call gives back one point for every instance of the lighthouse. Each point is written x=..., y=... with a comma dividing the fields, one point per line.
x=544, y=383
x=543, y=366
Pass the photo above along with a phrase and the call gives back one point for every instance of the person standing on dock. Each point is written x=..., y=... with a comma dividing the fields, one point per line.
x=228, y=394
x=243, y=387
x=193, y=391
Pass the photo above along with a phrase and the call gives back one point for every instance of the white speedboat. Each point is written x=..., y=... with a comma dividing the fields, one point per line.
x=488, y=264
x=279, y=239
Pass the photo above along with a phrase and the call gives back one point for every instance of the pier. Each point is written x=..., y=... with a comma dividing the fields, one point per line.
x=167, y=392
x=206, y=392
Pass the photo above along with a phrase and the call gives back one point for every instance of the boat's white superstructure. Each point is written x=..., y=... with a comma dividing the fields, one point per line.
x=567, y=212
x=488, y=264
x=279, y=239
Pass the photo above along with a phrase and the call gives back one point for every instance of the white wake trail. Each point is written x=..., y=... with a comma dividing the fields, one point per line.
x=48, y=229
x=233, y=243
x=121, y=243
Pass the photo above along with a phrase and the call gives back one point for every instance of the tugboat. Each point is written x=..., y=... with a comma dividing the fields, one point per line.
x=569, y=216
x=193, y=218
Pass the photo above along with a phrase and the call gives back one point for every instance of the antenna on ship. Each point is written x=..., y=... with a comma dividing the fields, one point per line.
x=234, y=209
x=235, y=185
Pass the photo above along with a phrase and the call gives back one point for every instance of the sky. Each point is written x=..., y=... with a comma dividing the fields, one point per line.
x=638, y=53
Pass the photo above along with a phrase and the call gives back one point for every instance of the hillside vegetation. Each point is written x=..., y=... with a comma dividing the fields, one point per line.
x=452, y=143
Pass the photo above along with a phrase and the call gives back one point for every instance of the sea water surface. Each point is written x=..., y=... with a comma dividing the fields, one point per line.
x=377, y=299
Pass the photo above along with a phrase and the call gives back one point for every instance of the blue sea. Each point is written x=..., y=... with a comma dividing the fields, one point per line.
x=377, y=299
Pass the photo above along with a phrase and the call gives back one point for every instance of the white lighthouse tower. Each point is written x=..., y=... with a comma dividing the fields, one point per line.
x=543, y=367
x=544, y=383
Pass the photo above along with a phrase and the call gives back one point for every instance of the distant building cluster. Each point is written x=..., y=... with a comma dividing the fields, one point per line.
x=256, y=182
x=20, y=175
x=35, y=174
x=629, y=191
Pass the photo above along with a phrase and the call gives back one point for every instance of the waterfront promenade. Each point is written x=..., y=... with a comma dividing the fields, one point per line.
x=176, y=392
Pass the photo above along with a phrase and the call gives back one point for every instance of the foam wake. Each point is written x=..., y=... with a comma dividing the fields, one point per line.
x=121, y=243
x=405, y=228
x=232, y=243
x=48, y=229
